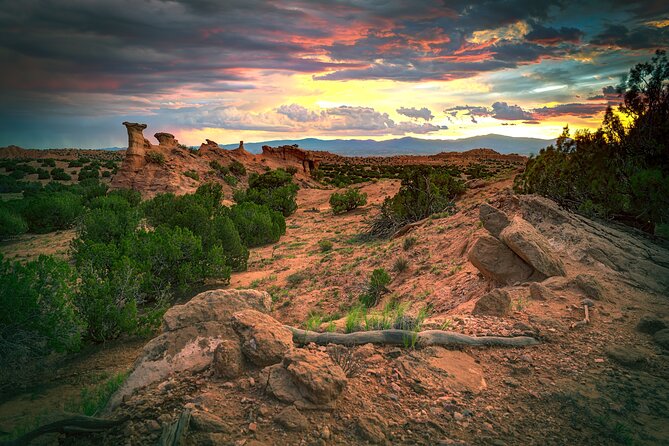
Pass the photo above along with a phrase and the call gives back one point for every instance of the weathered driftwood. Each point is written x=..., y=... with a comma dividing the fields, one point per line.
x=175, y=434
x=406, y=337
x=79, y=424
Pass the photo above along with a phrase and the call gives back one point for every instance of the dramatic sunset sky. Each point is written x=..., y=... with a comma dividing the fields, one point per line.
x=73, y=70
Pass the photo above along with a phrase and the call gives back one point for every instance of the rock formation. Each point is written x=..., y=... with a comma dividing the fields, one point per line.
x=166, y=140
x=209, y=144
x=137, y=147
x=513, y=251
x=293, y=153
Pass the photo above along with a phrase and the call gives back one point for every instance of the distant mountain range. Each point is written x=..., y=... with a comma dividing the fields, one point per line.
x=402, y=146
x=407, y=145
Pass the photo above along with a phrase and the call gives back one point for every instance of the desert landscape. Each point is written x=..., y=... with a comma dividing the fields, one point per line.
x=540, y=311
x=334, y=223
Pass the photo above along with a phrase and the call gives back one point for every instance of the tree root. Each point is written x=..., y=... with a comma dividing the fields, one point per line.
x=409, y=338
x=79, y=424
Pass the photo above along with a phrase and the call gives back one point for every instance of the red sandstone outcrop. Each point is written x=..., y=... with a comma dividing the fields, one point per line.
x=209, y=144
x=137, y=146
x=166, y=140
x=293, y=153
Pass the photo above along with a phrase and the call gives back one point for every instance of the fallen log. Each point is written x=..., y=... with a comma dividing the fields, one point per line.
x=408, y=338
x=79, y=424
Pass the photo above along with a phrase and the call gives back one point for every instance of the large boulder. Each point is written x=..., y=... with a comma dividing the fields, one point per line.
x=216, y=305
x=590, y=286
x=309, y=379
x=493, y=219
x=523, y=239
x=228, y=361
x=539, y=291
x=265, y=341
x=191, y=334
x=495, y=303
x=497, y=262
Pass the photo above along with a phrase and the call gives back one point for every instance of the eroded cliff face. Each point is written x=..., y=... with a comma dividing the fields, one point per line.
x=293, y=153
x=152, y=169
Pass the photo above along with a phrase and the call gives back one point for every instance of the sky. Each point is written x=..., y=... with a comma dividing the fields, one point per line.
x=71, y=71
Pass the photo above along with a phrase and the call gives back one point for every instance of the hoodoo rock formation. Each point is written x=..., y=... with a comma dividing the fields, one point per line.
x=137, y=146
x=166, y=140
x=293, y=153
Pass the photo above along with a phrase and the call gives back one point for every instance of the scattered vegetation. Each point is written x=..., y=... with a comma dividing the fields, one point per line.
x=401, y=264
x=155, y=158
x=350, y=199
x=620, y=171
x=345, y=357
x=409, y=243
x=236, y=168
x=325, y=245
x=424, y=191
x=94, y=399
x=376, y=287
x=192, y=174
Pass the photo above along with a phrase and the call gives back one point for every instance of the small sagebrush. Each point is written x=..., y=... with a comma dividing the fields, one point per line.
x=346, y=358
x=401, y=264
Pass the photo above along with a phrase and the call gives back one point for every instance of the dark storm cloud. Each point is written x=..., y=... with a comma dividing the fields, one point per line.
x=551, y=36
x=90, y=57
x=642, y=37
x=573, y=109
x=154, y=46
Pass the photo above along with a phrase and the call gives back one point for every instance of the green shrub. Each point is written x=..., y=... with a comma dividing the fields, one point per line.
x=155, y=158
x=409, y=242
x=296, y=279
x=424, y=191
x=88, y=172
x=43, y=174
x=325, y=245
x=377, y=286
x=231, y=180
x=11, y=223
x=257, y=224
x=108, y=297
x=173, y=257
x=48, y=212
x=94, y=399
x=37, y=314
x=49, y=162
x=110, y=219
x=75, y=163
x=133, y=197
x=106, y=174
x=59, y=174
x=347, y=201
x=237, y=168
x=274, y=189
x=292, y=170
x=192, y=174
x=203, y=214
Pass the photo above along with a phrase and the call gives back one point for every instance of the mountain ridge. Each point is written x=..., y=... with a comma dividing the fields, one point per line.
x=408, y=145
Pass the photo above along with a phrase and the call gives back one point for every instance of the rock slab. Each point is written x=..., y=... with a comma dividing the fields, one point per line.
x=265, y=341
x=497, y=262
